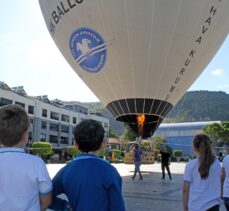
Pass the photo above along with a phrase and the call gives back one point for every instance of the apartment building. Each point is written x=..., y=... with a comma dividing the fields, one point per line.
x=51, y=121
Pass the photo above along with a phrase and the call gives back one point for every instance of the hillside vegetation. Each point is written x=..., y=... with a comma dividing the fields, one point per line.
x=201, y=106
x=193, y=106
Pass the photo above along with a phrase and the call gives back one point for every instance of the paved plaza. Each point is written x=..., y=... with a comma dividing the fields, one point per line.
x=151, y=194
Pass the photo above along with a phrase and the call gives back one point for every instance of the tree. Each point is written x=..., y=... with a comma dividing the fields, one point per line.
x=158, y=142
x=128, y=134
x=112, y=134
x=213, y=131
x=177, y=153
x=224, y=132
x=218, y=132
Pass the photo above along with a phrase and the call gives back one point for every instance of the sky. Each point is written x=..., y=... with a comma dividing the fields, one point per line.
x=26, y=46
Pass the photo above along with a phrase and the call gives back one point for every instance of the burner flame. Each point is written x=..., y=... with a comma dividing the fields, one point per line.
x=141, y=120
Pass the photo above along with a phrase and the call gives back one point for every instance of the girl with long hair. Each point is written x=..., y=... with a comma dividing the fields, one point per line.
x=202, y=188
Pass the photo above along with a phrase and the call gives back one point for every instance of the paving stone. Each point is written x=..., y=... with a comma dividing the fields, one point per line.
x=151, y=194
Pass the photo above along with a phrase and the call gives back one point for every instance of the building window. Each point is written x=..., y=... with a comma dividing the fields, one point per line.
x=106, y=135
x=30, y=138
x=20, y=104
x=74, y=120
x=44, y=112
x=54, y=115
x=4, y=101
x=82, y=119
x=64, y=129
x=99, y=122
x=43, y=125
x=53, y=139
x=54, y=127
x=64, y=118
x=43, y=137
x=31, y=121
x=31, y=109
x=105, y=125
x=64, y=140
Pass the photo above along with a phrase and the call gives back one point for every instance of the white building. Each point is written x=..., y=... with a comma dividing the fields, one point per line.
x=51, y=121
x=179, y=136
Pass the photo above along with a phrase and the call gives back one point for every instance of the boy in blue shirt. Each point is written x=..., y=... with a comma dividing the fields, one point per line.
x=89, y=182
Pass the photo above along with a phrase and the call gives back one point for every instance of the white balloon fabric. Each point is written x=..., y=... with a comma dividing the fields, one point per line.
x=138, y=57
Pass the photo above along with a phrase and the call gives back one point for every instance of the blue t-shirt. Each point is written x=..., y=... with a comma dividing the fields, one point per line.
x=137, y=154
x=90, y=183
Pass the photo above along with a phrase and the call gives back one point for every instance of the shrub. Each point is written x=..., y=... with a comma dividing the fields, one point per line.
x=177, y=153
x=186, y=159
x=146, y=147
x=101, y=153
x=72, y=151
x=157, y=154
x=42, y=148
x=117, y=153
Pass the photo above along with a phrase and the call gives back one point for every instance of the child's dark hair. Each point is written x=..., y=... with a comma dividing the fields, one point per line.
x=89, y=135
x=14, y=121
x=202, y=145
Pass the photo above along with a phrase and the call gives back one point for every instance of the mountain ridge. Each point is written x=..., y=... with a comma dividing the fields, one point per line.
x=192, y=107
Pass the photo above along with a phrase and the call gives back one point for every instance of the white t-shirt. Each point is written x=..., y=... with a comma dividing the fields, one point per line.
x=23, y=178
x=226, y=181
x=203, y=193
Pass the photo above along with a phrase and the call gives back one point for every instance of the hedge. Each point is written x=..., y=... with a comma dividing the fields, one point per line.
x=101, y=153
x=42, y=148
x=177, y=153
x=72, y=151
x=117, y=153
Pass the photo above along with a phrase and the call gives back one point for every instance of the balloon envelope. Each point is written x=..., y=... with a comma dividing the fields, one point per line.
x=138, y=57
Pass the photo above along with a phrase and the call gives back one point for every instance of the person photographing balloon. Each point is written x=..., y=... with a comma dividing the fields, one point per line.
x=165, y=162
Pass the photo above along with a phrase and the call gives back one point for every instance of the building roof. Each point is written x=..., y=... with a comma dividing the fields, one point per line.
x=114, y=141
x=186, y=125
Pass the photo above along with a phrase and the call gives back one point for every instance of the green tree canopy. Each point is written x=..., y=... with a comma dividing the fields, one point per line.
x=128, y=134
x=224, y=132
x=158, y=142
x=112, y=134
x=213, y=131
x=218, y=132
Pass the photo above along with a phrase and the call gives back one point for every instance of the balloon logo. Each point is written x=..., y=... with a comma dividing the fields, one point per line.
x=88, y=49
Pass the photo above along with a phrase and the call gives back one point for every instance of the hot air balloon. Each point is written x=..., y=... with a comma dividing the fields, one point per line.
x=138, y=57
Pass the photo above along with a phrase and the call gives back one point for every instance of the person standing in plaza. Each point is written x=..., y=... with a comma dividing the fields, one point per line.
x=225, y=182
x=201, y=187
x=165, y=161
x=137, y=161
x=25, y=184
x=89, y=182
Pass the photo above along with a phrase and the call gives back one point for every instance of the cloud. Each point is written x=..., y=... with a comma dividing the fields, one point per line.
x=217, y=72
x=223, y=86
